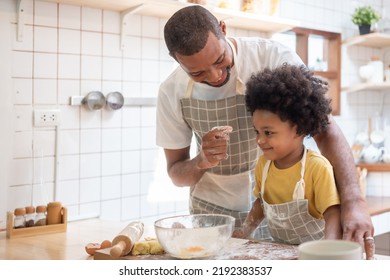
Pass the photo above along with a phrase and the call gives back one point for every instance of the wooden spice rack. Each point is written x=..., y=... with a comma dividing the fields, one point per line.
x=36, y=230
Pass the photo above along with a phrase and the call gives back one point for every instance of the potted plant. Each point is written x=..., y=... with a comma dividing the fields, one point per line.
x=364, y=17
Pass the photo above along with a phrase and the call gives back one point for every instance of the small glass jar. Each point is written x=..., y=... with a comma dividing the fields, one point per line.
x=40, y=218
x=20, y=220
x=30, y=216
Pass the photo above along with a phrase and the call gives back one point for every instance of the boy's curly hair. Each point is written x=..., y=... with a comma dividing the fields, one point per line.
x=294, y=94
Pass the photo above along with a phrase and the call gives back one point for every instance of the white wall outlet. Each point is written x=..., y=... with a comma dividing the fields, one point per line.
x=46, y=117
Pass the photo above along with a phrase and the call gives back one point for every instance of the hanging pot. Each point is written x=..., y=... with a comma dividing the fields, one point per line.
x=94, y=100
x=115, y=100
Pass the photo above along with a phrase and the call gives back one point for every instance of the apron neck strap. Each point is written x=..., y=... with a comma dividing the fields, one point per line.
x=299, y=191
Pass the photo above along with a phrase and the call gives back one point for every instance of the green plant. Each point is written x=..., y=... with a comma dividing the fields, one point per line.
x=365, y=15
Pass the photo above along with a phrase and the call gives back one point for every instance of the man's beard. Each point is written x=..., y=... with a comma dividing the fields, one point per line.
x=228, y=68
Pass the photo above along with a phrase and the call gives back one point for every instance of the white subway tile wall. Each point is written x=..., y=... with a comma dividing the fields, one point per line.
x=108, y=163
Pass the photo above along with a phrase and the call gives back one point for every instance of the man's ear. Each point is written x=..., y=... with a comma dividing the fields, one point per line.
x=223, y=27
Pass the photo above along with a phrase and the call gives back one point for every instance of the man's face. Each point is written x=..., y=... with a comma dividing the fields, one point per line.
x=211, y=65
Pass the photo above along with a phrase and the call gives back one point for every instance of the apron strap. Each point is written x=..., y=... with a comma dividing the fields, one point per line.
x=299, y=191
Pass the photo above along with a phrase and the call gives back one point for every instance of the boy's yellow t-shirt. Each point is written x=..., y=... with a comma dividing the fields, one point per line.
x=320, y=186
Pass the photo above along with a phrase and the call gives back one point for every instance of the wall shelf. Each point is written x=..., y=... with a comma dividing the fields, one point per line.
x=165, y=8
x=378, y=167
x=367, y=86
x=372, y=40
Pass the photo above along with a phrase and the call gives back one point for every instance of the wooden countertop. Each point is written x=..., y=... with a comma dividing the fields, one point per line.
x=69, y=245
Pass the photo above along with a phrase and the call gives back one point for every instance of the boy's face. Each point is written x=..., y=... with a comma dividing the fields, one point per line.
x=277, y=139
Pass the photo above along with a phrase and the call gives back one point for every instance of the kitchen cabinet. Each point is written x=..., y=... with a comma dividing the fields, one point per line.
x=165, y=8
x=372, y=40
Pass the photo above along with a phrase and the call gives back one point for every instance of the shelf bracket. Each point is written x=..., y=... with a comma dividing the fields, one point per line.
x=124, y=21
x=20, y=20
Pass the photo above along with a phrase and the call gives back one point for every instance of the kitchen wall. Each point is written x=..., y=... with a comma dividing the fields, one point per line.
x=105, y=163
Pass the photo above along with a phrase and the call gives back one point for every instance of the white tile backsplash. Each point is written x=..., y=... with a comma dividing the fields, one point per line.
x=91, y=19
x=111, y=22
x=90, y=190
x=22, y=91
x=45, y=39
x=111, y=140
x=111, y=187
x=130, y=185
x=69, y=142
x=109, y=165
x=66, y=89
x=45, y=65
x=69, y=41
x=22, y=64
x=71, y=167
x=69, y=16
x=68, y=192
x=112, y=68
x=111, y=45
x=91, y=43
x=91, y=67
x=90, y=165
x=45, y=91
x=27, y=43
x=22, y=144
x=45, y=13
x=68, y=66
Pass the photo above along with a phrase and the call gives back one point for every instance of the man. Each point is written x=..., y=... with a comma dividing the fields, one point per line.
x=205, y=97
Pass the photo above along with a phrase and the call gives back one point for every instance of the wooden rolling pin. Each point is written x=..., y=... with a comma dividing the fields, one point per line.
x=124, y=242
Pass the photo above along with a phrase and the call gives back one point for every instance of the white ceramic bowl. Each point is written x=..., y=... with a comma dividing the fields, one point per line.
x=194, y=236
x=327, y=249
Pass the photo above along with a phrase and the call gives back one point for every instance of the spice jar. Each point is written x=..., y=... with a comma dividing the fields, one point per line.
x=20, y=220
x=54, y=213
x=30, y=216
x=40, y=218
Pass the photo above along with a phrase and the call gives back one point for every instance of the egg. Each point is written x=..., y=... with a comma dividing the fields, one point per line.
x=90, y=248
x=105, y=244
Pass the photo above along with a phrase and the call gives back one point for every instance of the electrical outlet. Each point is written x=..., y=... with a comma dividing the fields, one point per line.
x=46, y=117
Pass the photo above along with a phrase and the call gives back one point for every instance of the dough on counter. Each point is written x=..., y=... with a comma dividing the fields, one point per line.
x=150, y=246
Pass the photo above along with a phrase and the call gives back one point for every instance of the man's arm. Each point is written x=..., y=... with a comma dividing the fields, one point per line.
x=355, y=219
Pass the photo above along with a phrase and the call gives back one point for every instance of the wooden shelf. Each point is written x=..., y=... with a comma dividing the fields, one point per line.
x=367, y=86
x=378, y=167
x=165, y=8
x=35, y=230
x=378, y=205
x=372, y=40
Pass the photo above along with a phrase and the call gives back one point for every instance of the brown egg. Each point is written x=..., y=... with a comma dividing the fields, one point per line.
x=90, y=248
x=105, y=244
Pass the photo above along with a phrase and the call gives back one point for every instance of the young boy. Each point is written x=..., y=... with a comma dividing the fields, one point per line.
x=295, y=187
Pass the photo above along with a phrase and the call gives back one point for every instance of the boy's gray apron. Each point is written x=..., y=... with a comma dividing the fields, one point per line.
x=202, y=116
x=291, y=222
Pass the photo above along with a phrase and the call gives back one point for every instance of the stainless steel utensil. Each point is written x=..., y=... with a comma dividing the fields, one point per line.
x=115, y=100
x=94, y=100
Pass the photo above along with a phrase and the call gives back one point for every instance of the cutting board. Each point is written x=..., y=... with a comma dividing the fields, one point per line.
x=235, y=249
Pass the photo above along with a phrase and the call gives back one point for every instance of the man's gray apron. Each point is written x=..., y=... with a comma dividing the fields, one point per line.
x=291, y=222
x=202, y=116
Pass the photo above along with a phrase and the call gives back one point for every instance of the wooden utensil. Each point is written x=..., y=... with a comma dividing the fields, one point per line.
x=124, y=242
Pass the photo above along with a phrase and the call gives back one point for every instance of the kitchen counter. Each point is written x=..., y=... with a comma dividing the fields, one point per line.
x=70, y=245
